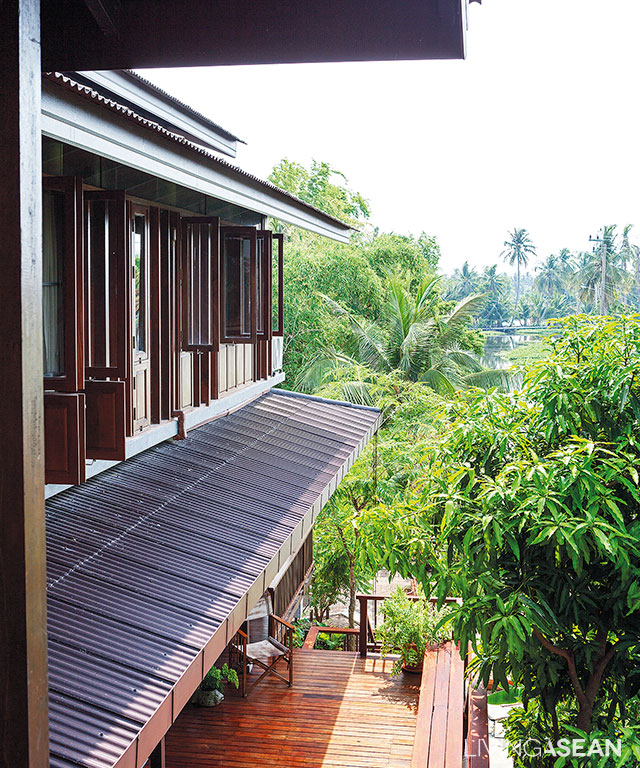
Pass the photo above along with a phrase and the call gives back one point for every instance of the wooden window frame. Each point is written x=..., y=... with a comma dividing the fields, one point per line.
x=267, y=236
x=135, y=209
x=119, y=288
x=72, y=379
x=279, y=329
x=252, y=234
x=208, y=285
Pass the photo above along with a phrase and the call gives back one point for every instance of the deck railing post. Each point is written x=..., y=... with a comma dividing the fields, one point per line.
x=364, y=613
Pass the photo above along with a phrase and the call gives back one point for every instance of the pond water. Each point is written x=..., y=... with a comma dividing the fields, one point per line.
x=496, y=346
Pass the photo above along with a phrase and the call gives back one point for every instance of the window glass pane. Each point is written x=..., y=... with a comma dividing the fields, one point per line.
x=261, y=286
x=237, y=289
x=245, y=299
x=139, y=282
x=52, y=282
x=98, y=278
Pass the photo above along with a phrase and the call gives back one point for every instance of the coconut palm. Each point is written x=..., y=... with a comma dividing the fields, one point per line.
x=630, y=257
x=517, y=251
x=465, y=281
x=549, y=278
x=412, y=337
x=494, y=283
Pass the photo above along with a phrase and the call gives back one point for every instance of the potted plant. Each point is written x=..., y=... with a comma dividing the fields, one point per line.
x=210, y=691
x=410, y=626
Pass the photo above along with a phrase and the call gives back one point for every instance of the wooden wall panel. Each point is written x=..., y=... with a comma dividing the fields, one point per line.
x=231, y=367
x=222, y=370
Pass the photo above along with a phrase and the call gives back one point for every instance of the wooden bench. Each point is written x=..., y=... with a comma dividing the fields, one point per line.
x=441, y=724
x=312, y=635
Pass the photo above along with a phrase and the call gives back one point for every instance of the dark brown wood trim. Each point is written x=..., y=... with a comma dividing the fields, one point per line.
x=279, y=331
x=156, y=274
x=73, y=281
x=200, y=233
x=23, y=637
x=119, y=308
x=251, y=233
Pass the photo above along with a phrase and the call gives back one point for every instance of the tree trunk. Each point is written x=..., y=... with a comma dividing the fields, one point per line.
x=351, y=640
x=585, y=714
x=352, y=595
x=603, y=281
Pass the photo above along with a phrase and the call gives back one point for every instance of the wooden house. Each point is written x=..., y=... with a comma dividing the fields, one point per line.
x=142, y=324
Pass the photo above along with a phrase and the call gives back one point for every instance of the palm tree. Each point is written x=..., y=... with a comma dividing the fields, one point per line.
x=411, y=337
x=630, y=255
x=549, y=279
x=517, y=251
x=465, y=281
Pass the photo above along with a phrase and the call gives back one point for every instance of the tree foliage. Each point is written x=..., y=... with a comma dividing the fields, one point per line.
x=417, y=335
x=529, y=510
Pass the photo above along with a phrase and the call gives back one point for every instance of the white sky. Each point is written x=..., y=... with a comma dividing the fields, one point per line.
x=538, y=128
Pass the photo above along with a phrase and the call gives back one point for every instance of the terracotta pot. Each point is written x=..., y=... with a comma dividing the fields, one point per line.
x=412, y=669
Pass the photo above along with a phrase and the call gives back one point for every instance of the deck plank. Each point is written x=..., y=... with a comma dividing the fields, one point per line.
x=343, y=711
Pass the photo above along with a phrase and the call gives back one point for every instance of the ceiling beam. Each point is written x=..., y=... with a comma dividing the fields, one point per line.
x=106, y=14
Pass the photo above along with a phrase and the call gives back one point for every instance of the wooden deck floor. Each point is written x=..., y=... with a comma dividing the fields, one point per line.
x=343, y=711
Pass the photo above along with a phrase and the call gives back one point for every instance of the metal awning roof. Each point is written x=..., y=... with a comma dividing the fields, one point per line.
x=80, y=115
x=153, y=565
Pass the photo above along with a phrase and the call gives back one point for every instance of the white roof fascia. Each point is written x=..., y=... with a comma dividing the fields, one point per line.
x=87, y=125
x=136, y=94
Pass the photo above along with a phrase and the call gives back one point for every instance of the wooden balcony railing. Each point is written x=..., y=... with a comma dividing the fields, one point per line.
x=238, y=658
x=368, y=628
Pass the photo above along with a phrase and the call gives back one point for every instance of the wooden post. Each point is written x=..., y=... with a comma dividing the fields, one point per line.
x=23, y=640
x=364, y=613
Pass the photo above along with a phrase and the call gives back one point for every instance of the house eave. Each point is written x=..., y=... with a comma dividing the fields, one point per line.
x=136, y=92
x=87, y=125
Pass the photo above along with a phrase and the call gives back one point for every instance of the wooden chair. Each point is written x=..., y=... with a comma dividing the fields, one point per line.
x=280, y=640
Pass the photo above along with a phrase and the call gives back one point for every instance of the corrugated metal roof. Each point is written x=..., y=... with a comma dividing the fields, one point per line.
x=94, y=95
x=159, y=559
x=181, y=104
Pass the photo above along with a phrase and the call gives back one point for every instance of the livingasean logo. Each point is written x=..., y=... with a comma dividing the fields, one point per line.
x=561, y=748
x=568, y=748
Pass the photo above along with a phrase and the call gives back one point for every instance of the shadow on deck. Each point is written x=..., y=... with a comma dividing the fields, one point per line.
x=342, y=711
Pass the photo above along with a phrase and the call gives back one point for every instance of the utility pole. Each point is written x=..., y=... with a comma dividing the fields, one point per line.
x=603, y=271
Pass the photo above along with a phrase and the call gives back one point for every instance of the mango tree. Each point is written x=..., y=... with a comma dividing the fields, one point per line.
x=529, y=509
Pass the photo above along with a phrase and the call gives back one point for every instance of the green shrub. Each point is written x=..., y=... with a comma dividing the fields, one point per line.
x=409, y=626
x=216, y=677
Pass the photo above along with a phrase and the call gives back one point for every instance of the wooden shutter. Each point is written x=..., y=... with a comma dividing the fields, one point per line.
x=200, y=266
x=263, y=288
x=107, y=300
x=278, y=288
x=238, y=305
x=106, y=409
x=69, y=188
x=64, y=440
